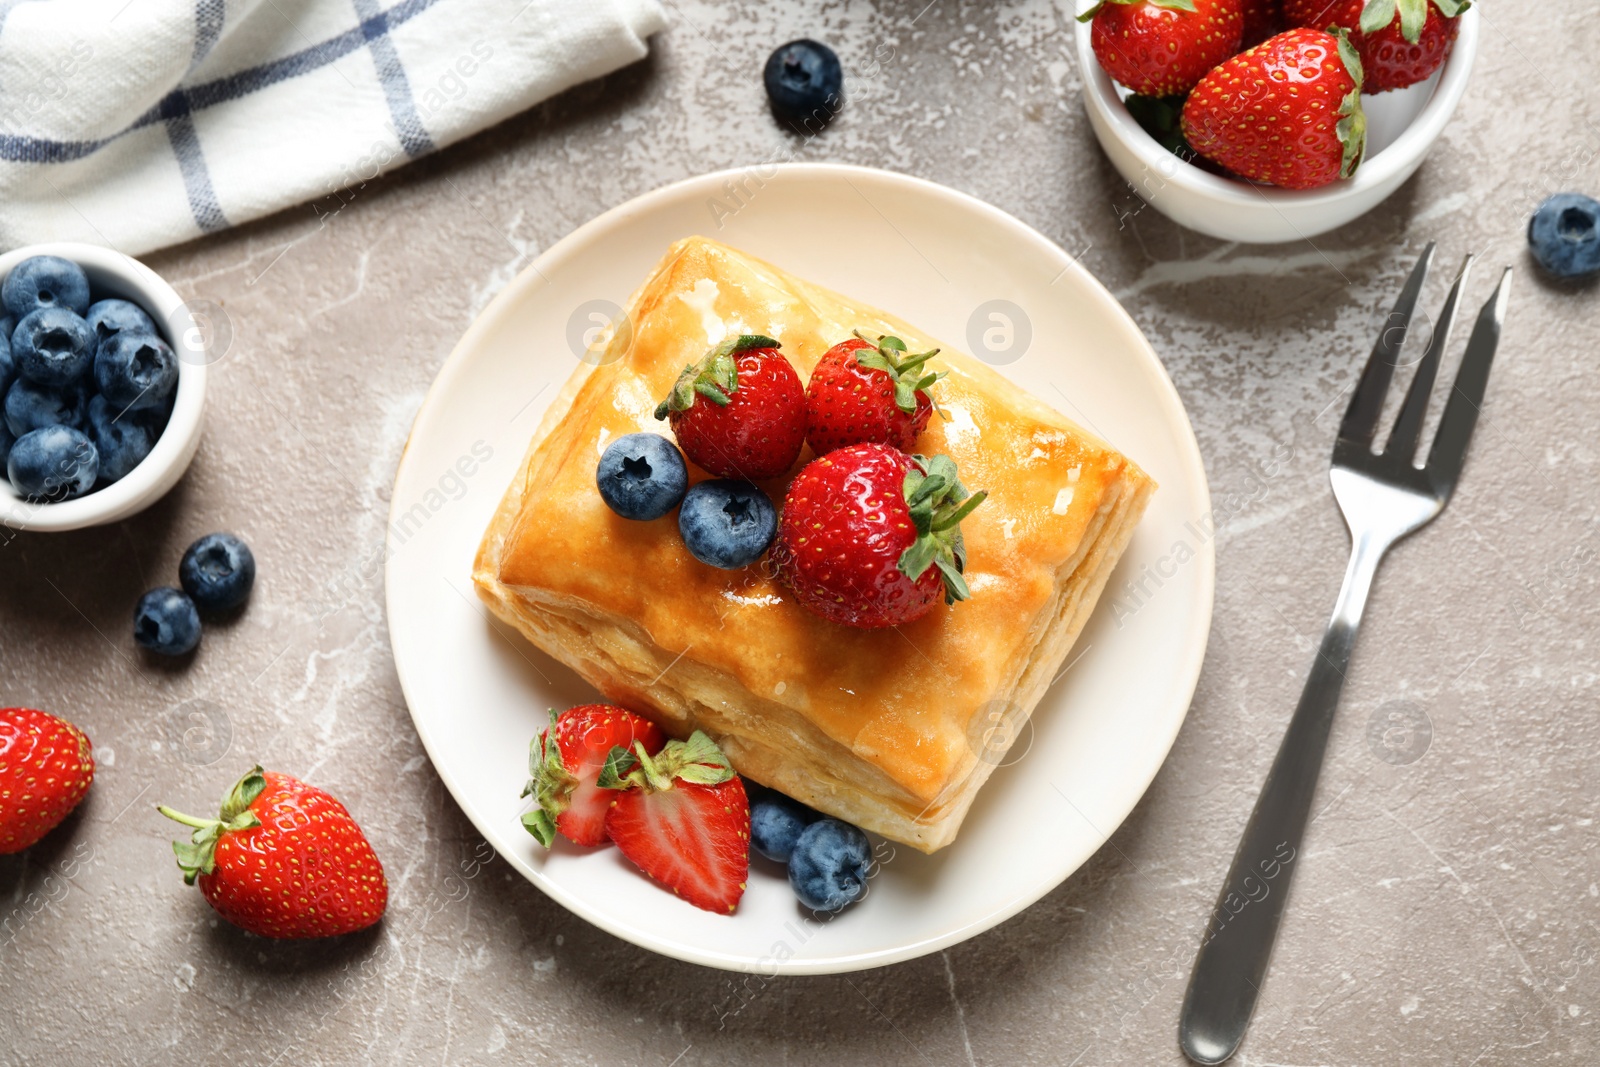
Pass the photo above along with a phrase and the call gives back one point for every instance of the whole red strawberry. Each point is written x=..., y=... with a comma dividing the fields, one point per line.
x=741, y=411
x=871, y=537
x=1286, y=112
x=284, y=859
x=683, y=818
x=45, y=769
x=1401, y=42
x=565, y=761
x=862, y=391
x=1163, y=47
x=1262, y=19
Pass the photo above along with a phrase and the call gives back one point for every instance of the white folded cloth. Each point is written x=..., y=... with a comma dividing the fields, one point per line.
x=141, y=123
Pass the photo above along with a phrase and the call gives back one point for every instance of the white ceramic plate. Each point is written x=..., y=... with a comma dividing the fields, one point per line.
x=478, y=692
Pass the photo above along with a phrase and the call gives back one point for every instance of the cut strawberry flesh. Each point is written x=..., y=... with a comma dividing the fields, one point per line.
x=584, y=821
x=693, y=839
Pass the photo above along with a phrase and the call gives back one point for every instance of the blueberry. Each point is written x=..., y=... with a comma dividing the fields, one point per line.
x=31, y=407
x=829, y=866
x=166, y=622
x=135, y=370
x=55, y=463
x=45, y=282
x=727, y=523
x=8, y=365
x=7, y=439
x=109, y=317
x=52, y=346
x=218, y=571
x=804, y=83
x=642, y=476
x=775, y=824
x=1565, y=235
x=123, y=438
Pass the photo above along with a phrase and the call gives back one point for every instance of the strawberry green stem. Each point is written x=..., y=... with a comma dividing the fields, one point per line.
x=967, y=508
x=187, y=820
x=198, y=855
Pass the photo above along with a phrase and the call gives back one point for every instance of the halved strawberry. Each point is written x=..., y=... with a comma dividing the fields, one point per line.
x=565, y=761
x=682, y=816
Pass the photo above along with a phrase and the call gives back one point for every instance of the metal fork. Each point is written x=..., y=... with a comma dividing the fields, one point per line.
x=1384, y=496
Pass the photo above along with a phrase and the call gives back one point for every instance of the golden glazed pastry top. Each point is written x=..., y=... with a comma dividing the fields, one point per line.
x=903, y=699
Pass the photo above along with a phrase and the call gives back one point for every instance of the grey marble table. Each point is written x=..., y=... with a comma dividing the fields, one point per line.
x=1446, y=910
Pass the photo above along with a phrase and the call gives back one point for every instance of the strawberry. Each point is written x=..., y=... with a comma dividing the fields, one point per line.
x=45, y=769
x=1401, y=42
x=1163, y=47
x=683, y=818
x=284, y=859
x=565, y=761
x=861, y=391
x=741, y=411
x=1262, y=19
x=1286, y=112
x=871, y=537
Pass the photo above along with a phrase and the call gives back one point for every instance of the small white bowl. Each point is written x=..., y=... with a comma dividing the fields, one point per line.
x=114, y=274
x=1402, y=126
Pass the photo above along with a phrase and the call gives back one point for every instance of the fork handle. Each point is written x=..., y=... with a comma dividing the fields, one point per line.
x=1242, y=927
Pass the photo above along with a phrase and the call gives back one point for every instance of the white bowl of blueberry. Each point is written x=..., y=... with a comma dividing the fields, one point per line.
x=102, y=384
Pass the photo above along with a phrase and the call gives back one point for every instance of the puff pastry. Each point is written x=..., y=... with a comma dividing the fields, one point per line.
x=893, y=730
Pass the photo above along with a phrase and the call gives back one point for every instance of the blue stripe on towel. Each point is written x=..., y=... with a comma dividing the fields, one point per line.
x=19, y=148
x=392, y=74
x=209, y=15
x=192, y=164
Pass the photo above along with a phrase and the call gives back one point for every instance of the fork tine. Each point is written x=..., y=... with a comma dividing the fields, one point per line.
x=1449, y=449
x=1408, y=427
x=1361, y=418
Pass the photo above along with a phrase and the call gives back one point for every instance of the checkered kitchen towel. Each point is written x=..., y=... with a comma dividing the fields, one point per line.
x=142, y=123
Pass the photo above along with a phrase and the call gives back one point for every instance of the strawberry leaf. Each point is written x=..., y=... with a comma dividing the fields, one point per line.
x=715, y=377
x=922, y=554
x=1162, y=118
x=618, y=766
x=243, y=794
x=551, y=784
x=937, y=502
x=889, y=355
x=1413, y=16
x=1352, y=127
x=539, y=823
x=713, y=394
x=698, y=761
x=955, y=586
x=1376, y=15
x=1452, y=8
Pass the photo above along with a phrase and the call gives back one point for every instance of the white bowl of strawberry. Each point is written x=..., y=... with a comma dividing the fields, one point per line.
x=1272, y=120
